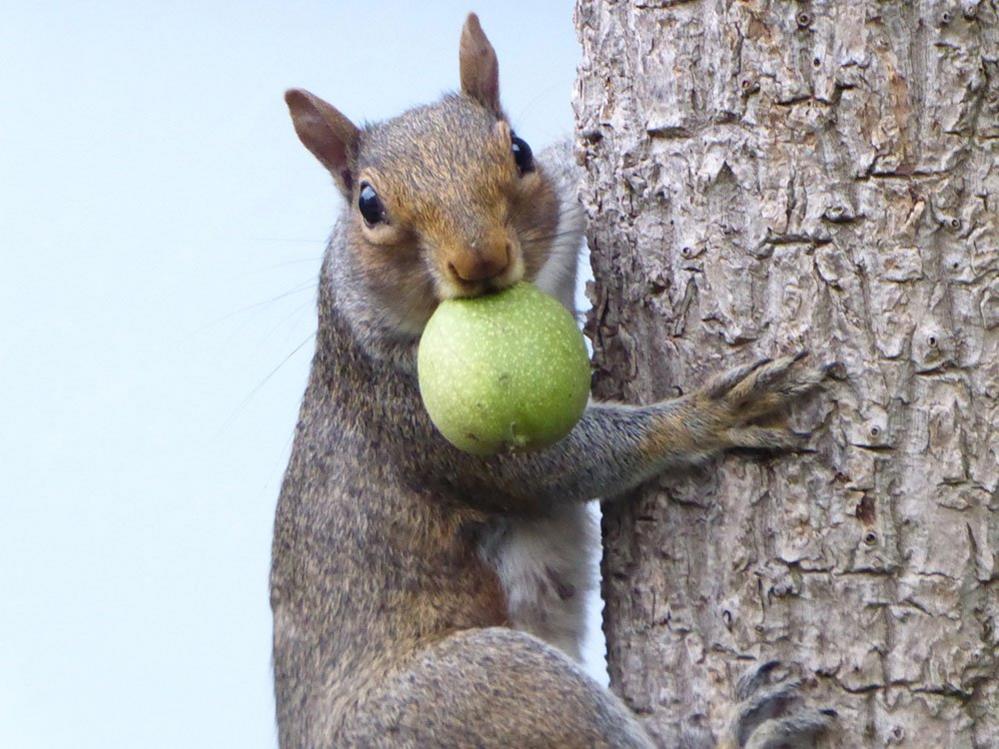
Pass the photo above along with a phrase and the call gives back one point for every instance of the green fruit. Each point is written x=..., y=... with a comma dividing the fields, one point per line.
x=505, y=371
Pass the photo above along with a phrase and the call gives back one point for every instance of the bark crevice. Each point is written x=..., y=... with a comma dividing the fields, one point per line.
x=764, y=177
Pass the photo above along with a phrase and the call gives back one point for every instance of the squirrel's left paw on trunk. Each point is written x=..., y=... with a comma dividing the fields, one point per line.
x=745, y=401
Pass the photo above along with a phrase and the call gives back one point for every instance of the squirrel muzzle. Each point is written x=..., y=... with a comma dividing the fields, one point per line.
x=480, y=263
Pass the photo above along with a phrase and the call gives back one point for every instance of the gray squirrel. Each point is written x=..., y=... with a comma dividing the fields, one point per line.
x=425, y=597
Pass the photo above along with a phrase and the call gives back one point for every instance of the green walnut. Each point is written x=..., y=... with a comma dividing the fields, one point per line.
x=505, y=371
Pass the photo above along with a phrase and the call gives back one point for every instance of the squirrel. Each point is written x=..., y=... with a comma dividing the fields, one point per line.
x=427, y=597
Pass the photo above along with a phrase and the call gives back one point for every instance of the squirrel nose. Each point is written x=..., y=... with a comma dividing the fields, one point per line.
x=480, y=265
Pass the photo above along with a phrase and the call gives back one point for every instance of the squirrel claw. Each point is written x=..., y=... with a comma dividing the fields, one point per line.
x=835, y=370
x=723, y=383
x=770, y=380
x=753, y=679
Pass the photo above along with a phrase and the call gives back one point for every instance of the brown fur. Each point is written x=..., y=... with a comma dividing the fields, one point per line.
x=392, y=626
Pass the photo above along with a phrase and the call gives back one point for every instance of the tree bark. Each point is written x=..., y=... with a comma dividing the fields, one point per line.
x=764, y=177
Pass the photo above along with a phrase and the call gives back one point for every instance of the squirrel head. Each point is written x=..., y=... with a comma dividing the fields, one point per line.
x=443, y=201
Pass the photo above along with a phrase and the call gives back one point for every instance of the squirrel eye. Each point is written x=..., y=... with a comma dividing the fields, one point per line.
x=522, y=154
x=370, y=205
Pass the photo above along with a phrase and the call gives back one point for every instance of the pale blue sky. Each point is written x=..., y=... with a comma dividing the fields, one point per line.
x=160, y=234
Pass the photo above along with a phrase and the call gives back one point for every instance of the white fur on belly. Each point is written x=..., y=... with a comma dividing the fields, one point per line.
x=546, y=568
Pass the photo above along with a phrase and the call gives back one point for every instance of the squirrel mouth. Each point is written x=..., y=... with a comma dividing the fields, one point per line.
x=456, y=288
x=493, y=285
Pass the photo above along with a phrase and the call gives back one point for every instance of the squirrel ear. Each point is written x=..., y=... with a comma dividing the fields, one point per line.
x=479, y=68
x=330, y=136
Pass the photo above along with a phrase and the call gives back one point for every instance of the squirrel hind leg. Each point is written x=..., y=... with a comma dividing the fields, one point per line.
x=546, y=566
x=489, y=688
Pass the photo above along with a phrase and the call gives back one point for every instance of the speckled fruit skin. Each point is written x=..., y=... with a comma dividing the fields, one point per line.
x=505, y=371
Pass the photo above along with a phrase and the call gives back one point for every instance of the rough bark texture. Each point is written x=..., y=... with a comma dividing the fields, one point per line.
x=769, y=176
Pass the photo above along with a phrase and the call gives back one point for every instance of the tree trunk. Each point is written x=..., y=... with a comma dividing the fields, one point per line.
x=764, y=177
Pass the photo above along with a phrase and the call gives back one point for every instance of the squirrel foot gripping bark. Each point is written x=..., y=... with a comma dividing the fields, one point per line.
x=769, y=712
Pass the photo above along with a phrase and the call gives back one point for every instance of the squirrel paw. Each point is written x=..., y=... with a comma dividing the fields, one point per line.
x=771, y=713
x=742, y=396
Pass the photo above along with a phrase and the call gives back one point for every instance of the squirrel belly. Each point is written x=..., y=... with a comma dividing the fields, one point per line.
x=546, y=567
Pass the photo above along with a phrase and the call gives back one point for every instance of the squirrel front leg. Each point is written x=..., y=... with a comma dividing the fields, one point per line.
x=615, y=447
